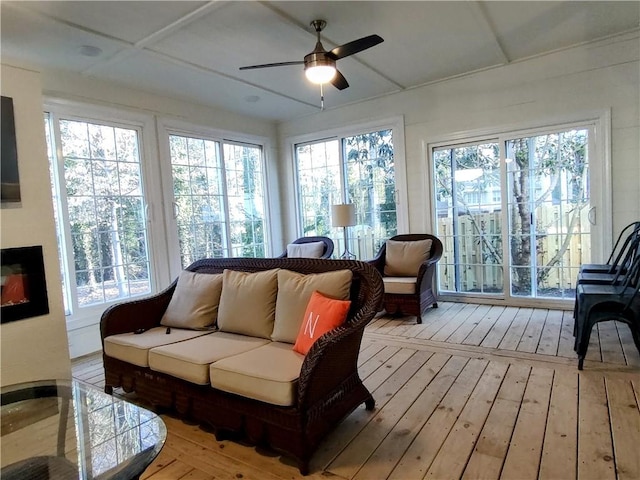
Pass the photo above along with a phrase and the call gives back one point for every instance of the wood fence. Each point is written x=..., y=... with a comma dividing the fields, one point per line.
x=480, y=251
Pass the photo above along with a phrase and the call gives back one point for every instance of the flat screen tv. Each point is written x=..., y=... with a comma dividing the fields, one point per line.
x=10, y=187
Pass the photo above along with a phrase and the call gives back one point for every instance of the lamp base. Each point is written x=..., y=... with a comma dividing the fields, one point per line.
x=347, y=255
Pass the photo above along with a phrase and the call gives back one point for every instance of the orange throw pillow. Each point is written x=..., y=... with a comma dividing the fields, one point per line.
x=322, y=314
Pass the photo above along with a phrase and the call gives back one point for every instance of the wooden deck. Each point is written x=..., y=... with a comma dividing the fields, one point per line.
x=475, y=391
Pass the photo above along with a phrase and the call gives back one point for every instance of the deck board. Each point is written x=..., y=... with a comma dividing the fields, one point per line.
x=475, y=391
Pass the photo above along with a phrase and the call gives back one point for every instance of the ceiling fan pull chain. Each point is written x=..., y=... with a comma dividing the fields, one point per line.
x=321, y=97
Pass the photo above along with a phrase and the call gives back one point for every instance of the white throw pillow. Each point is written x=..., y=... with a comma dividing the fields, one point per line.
x=305, y=250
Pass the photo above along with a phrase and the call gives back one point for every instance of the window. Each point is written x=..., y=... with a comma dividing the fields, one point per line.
x=101, y=221
x=219, y=198
x=514, y=212
x=358, y=169
x=120, y=233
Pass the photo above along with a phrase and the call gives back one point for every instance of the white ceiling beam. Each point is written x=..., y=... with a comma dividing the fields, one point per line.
x=480, y=13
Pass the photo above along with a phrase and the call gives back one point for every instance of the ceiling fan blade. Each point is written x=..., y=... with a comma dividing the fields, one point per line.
x=355, y=46
x=267, y=65
x=339, y=81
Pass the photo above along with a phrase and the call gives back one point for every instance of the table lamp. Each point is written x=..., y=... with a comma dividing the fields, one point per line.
x=344, y=215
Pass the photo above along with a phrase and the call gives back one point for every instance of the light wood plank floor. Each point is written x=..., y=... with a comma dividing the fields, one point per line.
x=473, y=392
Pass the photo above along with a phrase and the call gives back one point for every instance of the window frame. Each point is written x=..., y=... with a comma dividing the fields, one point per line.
x=80, y=317
x=395, y=124
x=168, y=126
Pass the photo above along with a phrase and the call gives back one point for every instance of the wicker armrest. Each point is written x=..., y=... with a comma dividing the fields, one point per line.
x=332, y=359
x=132, y=315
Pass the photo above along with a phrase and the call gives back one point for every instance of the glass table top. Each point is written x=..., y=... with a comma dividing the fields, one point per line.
x=71, y=430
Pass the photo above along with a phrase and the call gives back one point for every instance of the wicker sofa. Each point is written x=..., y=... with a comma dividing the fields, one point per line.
x=325, y=391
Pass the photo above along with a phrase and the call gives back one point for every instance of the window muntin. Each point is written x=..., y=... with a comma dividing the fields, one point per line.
x=358, y=169
x=466, y=179
x=548, y=204
x=318, y=185
x=219, y=198
x=101, y=218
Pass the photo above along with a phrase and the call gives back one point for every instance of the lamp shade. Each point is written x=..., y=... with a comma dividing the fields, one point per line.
x=343, y=215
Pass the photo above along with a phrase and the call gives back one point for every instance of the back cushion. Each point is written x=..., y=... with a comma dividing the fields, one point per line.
x=248, y=302
x=403, y=259
x=305, y=250
x=194, y=303
x=294, y=292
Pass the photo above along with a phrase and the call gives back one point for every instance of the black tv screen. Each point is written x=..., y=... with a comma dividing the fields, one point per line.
x=10, y=188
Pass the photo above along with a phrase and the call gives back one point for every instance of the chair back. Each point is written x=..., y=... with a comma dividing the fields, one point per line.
x=631, y=252
x=436, y=245
x=629, y=245
x=328, y=245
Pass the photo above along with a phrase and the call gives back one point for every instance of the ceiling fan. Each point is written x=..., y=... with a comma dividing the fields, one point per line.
x=320, y=65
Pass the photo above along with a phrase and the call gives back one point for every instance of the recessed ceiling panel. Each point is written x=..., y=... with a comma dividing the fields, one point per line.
x=44, y=42
x=423, y=41
x=131, y=21
x=236, y=35
x=248, y=33
x=530, y=28
x=147, y=72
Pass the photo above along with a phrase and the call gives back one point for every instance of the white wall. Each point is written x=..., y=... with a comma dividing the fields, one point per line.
x=595, y=77
x=33, y=348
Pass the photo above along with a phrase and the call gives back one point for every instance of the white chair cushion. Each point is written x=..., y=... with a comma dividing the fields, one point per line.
x=400, y=285
x=190, y=359
x=305, y=250
x=268, y=373
x=403, y=259
x=134, y=348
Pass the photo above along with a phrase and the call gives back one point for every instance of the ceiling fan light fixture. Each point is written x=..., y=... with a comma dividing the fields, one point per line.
x=319, y=68
x=320, y=73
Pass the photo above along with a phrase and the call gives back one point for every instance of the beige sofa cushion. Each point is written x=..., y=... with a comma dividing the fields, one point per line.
x=194, y=303
x=403, y=259
x=248, y=302
x=268, y=373
x=134, y=348
x=400, y=285
x=190, y=359
x=305, y=250
x=294, y=292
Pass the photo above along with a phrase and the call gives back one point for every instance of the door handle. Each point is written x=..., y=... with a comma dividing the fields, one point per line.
x=591, y=216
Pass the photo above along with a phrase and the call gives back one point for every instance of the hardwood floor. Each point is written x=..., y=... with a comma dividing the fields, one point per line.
x=475, y=391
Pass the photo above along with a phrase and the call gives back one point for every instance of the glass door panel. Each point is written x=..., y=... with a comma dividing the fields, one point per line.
x=548, y=204
x=468, y=206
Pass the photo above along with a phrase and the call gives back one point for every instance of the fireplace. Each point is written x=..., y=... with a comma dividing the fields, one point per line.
x=23, y=292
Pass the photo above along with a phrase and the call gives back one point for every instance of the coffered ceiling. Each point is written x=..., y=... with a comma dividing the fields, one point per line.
x=193, y=50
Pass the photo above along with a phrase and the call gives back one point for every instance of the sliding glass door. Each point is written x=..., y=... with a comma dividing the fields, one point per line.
x=515, y=213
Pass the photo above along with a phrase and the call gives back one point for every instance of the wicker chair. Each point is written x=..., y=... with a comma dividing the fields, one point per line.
x=328, y=245
x=423, y=295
